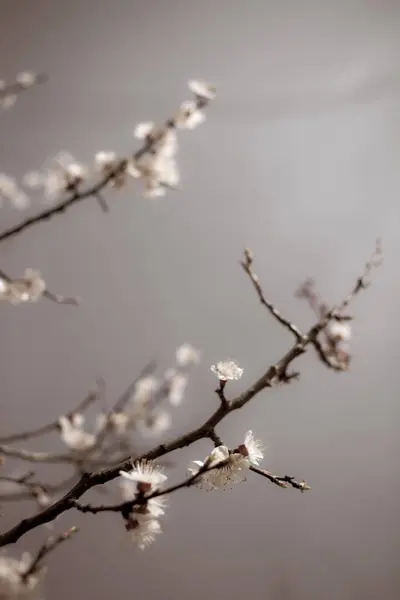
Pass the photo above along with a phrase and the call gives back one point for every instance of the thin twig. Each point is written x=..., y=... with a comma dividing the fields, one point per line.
x=247, y=264
x=282, y=482
x=51, y=544
x=90, y=398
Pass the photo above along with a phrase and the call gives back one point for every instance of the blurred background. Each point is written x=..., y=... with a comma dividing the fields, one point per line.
x=299, y=160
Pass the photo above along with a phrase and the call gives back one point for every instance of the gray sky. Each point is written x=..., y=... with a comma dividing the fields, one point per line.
x=299, y=160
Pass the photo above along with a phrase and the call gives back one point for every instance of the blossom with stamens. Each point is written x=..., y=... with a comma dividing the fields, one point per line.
x=230, y=471
x=227, y=370
x=153, y=506
x=252, y=449
x=146, y=475
x=142, y=530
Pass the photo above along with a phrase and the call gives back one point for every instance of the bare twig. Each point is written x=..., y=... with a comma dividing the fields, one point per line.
x=91, y=397
x=247, y=264
x=51, y=544
x=282, y=482
x=90, y=480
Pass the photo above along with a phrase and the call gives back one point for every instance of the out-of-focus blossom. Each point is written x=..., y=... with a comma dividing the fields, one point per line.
x=9, y=190
x=189, y=115
x=153, y=423
x=202, y=89
x=187, y=355
x=339, y=331
x=29, y=288
x=73, y=434
x=177, y=383
x=26, y=78
x=14, y=583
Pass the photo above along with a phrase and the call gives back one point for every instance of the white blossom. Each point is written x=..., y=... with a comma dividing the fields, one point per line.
x=26, y=78
x=13, y=584
x=116, y=421
x=143, y=530
x=252, y=448
x=105, y=161
x=177, y=383
x=10, y=190
x=145, y=389
x=73, y=434
x=189, y=115
x=187, y=355
x=145, y=472
x=202, y=89
x=226, y=370
x=231, y=470
x=143, y=130
x=154, y=423
x=153, y=506
x=339, y=331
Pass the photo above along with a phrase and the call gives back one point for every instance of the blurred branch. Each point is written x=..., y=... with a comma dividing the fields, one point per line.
x=94, y=191
x=50, y=545
x=275, y=372
x=91, y=397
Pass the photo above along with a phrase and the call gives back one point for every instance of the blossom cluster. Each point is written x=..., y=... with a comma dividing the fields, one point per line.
x=139, y=484
x=28, y=288
x=224, y=467
x=144, y=411
x=154, y=163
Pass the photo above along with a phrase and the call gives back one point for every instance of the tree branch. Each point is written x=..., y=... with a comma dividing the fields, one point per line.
x=90, y=480
x=247, y=264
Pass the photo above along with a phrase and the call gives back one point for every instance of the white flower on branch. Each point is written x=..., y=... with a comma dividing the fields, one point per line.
x=154, y=423
x=146, y=475
x=233, y=465
x=73, y=434
x=14, y=583
x=143, y=130
x=338, y=331
x=229, y=472
x=105, y=161
x=177, y=386
x=26, y=78
x=62, y=174
x=186, y=355
x=155, y=507
x=227, y=370
x=252, y=449
x=29, y=288
x=142, y=522
x=202, y=89
x=9, y=190
x=189, y=115
x=142, y=529
x=117, y=421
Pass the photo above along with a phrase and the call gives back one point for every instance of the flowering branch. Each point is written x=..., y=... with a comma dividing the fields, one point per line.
x=276, y=372
x=153, y=161
x=30, y=288
x=89, y=399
